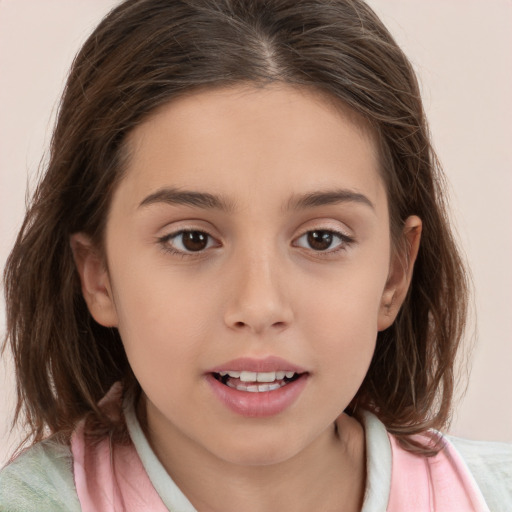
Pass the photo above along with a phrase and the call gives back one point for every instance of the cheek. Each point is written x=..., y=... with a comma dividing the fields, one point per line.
x=345, y=326
x=341, y=317
x=344, y=338
x=162, y=318
x=348, y=298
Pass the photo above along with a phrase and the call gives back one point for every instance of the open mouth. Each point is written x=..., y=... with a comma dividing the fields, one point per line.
x=258, y=388
x=256, y=382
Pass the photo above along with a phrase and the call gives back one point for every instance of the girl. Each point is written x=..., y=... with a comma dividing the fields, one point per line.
x=236, y=285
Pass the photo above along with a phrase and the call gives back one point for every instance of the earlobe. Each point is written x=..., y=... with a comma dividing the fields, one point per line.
x=94, y=279
x=400, y=273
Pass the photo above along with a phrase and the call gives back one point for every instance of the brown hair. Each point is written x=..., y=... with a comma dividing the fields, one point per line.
x=142, y=55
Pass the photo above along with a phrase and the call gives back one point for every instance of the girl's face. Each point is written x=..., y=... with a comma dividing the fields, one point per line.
x=249, y=269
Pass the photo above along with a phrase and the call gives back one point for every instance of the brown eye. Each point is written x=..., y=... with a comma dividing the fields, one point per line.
x=320, y=240
x=187, y=241
x=194, y=240
x=324, y=240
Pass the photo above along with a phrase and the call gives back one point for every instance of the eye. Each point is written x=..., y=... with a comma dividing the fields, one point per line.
x=322, y=240
x=187, y=241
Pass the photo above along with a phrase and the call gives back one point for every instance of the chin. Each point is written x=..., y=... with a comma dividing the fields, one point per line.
x=259, y=449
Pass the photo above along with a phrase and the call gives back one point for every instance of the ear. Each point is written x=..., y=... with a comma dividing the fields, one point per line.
x=95, y=280
x=400, y=273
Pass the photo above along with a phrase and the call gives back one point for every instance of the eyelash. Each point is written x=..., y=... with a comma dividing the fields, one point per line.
x=345, y=242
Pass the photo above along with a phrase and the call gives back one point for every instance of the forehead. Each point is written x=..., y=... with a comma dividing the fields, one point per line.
x=241, y=139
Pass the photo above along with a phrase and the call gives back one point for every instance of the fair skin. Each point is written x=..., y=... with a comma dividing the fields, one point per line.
x=311, y=284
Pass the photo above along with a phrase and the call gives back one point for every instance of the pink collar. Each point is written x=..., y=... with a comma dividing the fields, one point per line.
x=441, y=483
x=110, y=477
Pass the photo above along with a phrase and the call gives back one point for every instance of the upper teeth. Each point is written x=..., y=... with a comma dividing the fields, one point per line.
x=258, y=376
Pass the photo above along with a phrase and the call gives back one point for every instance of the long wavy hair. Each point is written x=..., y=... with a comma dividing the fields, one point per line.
x=144, y=54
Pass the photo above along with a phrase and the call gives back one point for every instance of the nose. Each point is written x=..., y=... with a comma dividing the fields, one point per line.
x=257, y=302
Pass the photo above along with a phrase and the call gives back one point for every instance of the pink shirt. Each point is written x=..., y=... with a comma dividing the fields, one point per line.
x=111, y=477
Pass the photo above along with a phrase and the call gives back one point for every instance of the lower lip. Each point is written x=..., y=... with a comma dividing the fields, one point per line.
x=261, y=404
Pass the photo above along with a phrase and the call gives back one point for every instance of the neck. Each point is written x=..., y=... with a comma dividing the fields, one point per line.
x=329, y=474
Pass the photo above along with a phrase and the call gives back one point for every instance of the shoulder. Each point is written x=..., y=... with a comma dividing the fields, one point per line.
x=39, y=479
x=490, y=463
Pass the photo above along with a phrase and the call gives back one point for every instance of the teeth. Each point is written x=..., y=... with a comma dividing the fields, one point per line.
x=270, y=380
x=246, y=376
x=266, y=377
x=235, y=375
x=259, y=388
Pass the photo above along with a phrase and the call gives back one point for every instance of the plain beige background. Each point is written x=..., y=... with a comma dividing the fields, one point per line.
x=461, y=51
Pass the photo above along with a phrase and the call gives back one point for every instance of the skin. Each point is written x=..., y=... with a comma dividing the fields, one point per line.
x=258, y=288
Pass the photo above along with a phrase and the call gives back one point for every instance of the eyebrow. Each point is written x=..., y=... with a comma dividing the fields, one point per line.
x=328, y=197
x=175, y=196
x=209, y=201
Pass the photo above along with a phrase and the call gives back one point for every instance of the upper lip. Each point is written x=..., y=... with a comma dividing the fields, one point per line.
x=267, y=364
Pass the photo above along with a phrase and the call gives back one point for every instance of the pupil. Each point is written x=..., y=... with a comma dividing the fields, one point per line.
x=320, y=240
x=194, y=240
